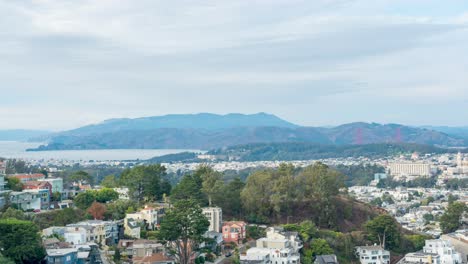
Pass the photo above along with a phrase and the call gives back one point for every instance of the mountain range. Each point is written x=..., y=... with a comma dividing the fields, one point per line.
x=210, y=131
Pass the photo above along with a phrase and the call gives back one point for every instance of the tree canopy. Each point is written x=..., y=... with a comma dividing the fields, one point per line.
x=20, y=241
x=182, y=229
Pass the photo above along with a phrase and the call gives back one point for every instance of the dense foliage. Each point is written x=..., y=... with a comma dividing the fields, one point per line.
x=20, y=241
x=183, y=228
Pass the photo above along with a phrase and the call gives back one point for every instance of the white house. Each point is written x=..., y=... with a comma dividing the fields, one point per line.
x=278, y=247
x=373, y=255
x=447, y=253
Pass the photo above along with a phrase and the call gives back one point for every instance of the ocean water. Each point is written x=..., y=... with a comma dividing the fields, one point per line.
x=14, y=149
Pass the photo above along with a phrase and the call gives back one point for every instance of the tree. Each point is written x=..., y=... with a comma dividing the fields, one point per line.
x=20, y=241
x=4, y=260
x=56, y=197
x=106, y=195
x=14, y=184
x=146, y=182
x=97, y=210
x=84, y=200
x=190, y=187
x=320, y=246
x=14, y=213
x=110, y=181
x=117, y=257
x=212, y=181
x=230, y=198
x=450, y=220
x=182, y=229
x=383, y=230
x=81, y=176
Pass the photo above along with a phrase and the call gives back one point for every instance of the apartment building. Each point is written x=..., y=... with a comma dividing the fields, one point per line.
x=215, y=216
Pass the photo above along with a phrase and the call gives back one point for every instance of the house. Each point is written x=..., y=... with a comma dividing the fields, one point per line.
x=75, y=235
x=215, y=240
x=140, y=248
x=281, y=246
x=2, y=190
x=2, y=167
x=123, y=193
x=26, y=200
x=447, y=253
x=373, y=255
x=101, y=232
x=28, y=177
x=326, y=259
x=459, y=240
x=256, y=256
x=43, y=188
x=156, y=258
x=215, y=217
x=234, y=231
x=132, y=227
x=420, y=258
x=62, y=255
x=56, y=183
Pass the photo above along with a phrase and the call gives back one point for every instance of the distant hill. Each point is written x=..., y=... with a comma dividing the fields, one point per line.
x=20, y=134
x=461, y=132
x=203, y=121
x=311, y=151
x=210, y=131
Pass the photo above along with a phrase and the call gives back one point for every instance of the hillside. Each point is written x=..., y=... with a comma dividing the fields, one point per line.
x=210, y=131
x=310, y=151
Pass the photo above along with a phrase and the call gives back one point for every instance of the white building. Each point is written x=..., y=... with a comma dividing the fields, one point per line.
x=279, y=247
x=149, y=217
x=75, y=235
x=373, y=255
x=215, y=216
x=123, y=193
x=409, y=169
x=447, y=253
x=420, y=258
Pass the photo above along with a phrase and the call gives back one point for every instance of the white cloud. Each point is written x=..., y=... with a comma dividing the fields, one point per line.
x=109, y=58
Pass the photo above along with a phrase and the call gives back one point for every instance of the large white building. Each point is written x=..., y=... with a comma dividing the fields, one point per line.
x=148, y=217
x=215, y=216
x=373, y=255
x=420, y=258
x=278, y=247
x=443, y=248
x=409, y=169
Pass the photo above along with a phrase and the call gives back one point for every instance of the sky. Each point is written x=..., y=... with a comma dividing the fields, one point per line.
x=68, y=63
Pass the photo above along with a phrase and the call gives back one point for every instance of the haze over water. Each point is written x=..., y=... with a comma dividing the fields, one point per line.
x=14, y=149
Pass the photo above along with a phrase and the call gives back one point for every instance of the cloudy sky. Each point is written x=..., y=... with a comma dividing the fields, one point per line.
x=66, y=63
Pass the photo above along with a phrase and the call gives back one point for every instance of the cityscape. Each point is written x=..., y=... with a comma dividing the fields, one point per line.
x=233, y=132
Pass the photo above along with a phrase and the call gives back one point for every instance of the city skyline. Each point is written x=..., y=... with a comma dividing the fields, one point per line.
x=65, y=64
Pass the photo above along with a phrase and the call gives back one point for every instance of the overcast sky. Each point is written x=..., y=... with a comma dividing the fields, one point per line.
x=68, y=63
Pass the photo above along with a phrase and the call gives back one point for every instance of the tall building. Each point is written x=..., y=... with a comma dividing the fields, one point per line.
x=373, y=255
x=215, y=216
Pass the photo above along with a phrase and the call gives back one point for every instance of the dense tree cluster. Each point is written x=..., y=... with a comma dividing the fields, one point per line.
x=146, y=183
x=270, y=194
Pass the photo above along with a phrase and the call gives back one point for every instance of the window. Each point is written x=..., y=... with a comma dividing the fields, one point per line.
x=68, y=258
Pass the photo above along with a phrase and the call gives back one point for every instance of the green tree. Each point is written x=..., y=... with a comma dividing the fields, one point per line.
x=146, y=182
x=190, y=187
x=84, y=200
x=230, y=198
x=320, y=246
x=14, y=184
x=117, y=257
x=110, y=181
x=4, y=260
x=81, y=176
x=211, y=182
x=56, y=197
x=450, y=220
x=182, y=229
x=106, y=195
x=15, y=213
x=20, y=241
x=383, y=230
